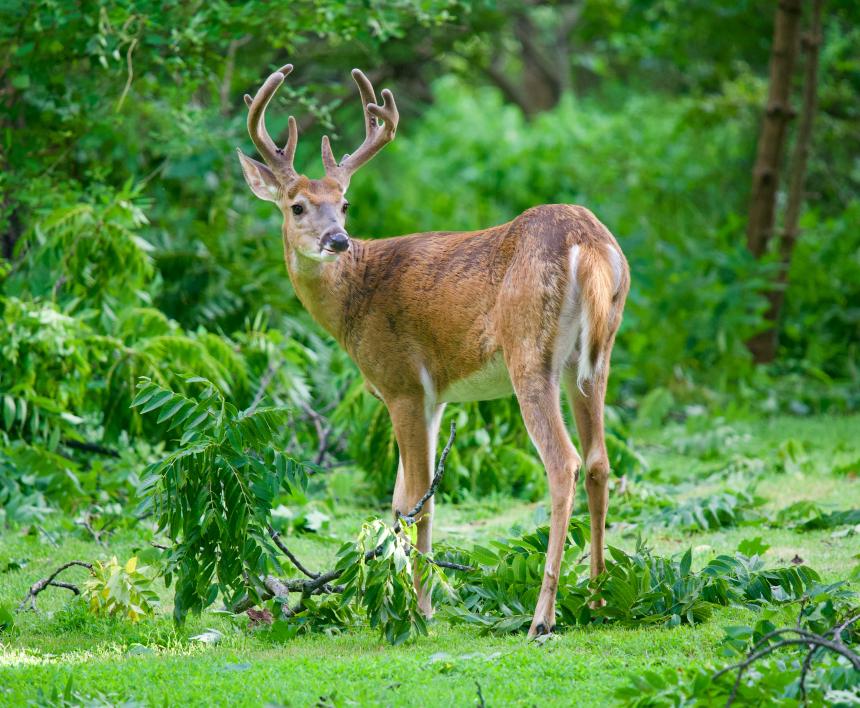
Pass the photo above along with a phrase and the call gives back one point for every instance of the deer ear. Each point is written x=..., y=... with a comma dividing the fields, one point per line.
x=260, y=178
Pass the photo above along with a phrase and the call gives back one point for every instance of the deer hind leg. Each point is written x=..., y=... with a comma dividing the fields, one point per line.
x=416, y=440
x=538, y=396
x=588, y=411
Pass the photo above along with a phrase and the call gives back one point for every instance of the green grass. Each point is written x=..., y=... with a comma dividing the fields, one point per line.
x=154, y=663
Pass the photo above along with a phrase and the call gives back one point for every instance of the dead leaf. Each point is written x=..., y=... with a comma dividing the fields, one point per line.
x=259, y=618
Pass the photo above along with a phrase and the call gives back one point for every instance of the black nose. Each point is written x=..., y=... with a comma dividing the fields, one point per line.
x=337, y=242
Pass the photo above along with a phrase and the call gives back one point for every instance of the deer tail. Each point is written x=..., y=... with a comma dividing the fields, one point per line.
x=599, y=275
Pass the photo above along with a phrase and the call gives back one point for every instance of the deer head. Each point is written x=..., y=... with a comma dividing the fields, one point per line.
x=314, y=210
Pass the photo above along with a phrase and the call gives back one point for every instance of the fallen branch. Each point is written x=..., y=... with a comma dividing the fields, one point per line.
x=29, y=601
x=807, y=661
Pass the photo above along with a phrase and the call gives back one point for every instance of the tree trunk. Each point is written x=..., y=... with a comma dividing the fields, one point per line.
x=764, y=344
x=777, y=115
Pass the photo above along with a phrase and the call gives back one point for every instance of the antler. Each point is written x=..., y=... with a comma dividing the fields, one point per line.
x=281, y=161
x=377, y=134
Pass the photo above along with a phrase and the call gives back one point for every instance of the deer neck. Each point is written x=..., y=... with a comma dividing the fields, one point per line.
x=325, y=287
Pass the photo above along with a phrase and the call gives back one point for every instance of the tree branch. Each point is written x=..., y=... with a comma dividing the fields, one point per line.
x=29, y=601
x=86, y=522
x=91, y=447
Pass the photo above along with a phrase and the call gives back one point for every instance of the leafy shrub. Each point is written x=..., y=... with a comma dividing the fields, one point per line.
x=213, y=496
x=122, y=590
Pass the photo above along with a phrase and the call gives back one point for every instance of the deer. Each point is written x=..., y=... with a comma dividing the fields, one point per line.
x=521, y=308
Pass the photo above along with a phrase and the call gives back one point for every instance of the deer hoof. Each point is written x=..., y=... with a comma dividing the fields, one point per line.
x=540, y=630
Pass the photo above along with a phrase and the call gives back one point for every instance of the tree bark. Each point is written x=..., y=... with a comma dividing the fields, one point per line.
x=764, y=344
x=544, y=54
x=777, y=115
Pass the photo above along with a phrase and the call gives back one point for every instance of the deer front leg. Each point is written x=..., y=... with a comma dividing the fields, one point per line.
x=416, y=440
x=539, y=402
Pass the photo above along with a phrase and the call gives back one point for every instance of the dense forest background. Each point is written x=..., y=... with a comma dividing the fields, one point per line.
x=132, y=247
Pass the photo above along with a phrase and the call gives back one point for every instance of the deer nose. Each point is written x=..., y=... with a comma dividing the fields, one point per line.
x=337, y=242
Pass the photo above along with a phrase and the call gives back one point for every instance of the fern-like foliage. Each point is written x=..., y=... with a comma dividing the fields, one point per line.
x=214, y=493
x=637, y=588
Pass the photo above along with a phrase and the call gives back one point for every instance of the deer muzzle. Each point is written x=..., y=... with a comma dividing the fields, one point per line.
x=336, y=242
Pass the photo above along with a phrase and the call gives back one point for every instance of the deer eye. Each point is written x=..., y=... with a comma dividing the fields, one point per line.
x=345, y=207
x=297, y=209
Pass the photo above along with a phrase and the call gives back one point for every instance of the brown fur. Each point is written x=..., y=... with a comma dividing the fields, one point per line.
x=423, y=312
x=448, y=301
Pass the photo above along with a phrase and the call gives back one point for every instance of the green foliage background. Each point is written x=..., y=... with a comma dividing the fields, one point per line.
x=133, y=248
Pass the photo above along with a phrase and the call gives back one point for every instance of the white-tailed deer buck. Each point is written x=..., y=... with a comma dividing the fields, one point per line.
x=443, y=317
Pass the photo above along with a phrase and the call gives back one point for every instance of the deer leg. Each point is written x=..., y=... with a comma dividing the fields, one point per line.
x=588, y=410
x=538, y=396
x=416, y=440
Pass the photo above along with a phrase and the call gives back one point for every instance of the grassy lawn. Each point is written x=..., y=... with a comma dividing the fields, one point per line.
x=155, y=664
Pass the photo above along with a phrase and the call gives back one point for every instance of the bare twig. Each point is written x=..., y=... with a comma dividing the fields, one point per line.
x=323, y=431
x=48, y=536
x=804, y=638
x=91, y=447
x=450, y=565
x=480, y=698
x=265, y=380
x=129, y=72
x=229, y=68
x=837, y=633
x=276, y=537
x=29, y=601
x=412, y=516
x=86, y=523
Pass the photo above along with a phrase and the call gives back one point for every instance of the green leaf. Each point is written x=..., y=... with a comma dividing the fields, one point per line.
x=171, y=410
x=8, y=411
x=158, y=400
x=686, y=563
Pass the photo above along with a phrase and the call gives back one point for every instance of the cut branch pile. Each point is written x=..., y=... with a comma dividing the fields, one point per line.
x=321, y=583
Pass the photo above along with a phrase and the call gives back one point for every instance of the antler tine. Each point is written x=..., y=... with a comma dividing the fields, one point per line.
x=279, y=160
x=368, y=96
x=377, y=135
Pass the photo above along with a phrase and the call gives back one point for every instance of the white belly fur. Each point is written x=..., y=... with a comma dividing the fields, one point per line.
x=489, y=382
